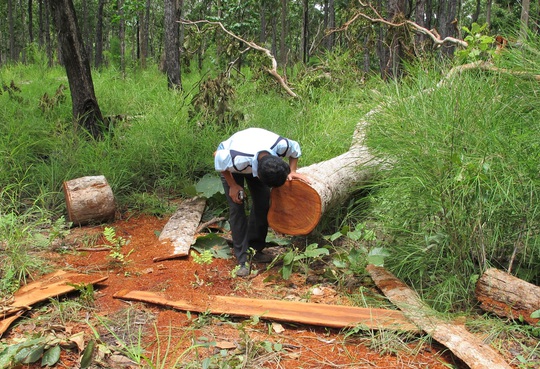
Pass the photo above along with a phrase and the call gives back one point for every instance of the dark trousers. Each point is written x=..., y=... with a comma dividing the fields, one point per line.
x=248, y=231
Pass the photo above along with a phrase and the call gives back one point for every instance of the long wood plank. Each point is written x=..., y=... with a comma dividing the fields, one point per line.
x=333, y=316
x=50, y=285
x=475, y=353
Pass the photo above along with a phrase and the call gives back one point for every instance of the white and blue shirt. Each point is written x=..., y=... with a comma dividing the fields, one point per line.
x=239, y=153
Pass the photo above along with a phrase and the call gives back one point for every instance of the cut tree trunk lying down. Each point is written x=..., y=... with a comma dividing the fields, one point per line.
x=508, y=296
x=466, y=346
x=179, y=232
x=297, y=207
x=50, y=285
x=333, y=316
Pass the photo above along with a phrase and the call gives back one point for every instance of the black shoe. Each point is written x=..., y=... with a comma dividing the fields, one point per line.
x=261, y=257
x=243, y=271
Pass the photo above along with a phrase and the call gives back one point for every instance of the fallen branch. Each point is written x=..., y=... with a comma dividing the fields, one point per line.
x=209, y=223
x=466, y=346
x=272, y=71
x=432, y=34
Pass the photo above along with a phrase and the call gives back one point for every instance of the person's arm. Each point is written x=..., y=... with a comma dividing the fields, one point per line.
x=234, y=188
x=293, y=164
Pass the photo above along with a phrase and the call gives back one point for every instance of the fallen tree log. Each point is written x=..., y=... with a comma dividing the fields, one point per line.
x=507, y=296
x=333, y=316
x=297, y=207
x=475, y=353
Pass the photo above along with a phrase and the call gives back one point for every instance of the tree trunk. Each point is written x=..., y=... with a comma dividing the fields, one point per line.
x=30, y=22
x=172, y=54
x=296, y=207
x=331, y=17
x=89, y=200
x=305, y=33
x=524, y=20
x=85, y=108
x=99, y=35
x=469, y=348
x=508, y=296
x=283, y=36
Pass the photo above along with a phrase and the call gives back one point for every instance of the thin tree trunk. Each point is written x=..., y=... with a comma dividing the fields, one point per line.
x=331, y=38
x=30, y=22
x=172, y=55
x=305, y=31
x=122, y=36
x=524, y=20
x=85, y=108
x=99, y=34
x=488, y=12
x=282, y=48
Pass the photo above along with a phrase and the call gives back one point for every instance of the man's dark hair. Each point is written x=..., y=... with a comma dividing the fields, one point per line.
x=273, y=171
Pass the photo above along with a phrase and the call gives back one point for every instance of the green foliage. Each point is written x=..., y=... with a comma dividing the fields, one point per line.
x=117, y=243
x=204, y=257
x=295, y=258
x=30, y=351
x=459, y=193
x=480, y=45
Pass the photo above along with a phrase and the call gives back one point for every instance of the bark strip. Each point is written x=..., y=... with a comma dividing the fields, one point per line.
x=475, y=353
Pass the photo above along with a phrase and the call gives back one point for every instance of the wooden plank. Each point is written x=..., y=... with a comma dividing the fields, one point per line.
x=508, y=296
x=466, y=346
x=333, y=316
x=181, y=228
x=49, y=286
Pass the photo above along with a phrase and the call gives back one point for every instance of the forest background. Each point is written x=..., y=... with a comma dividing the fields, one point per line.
x=457, y=117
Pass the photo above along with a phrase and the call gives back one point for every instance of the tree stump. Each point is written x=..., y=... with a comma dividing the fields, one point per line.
x=89, y=199
x=507, y=296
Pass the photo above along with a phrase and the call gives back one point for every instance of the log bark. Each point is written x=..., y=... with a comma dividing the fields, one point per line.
x=297, y=207
x=89, y=199
x=179, y=233
x=334, y=316
x=507, y=296
x=475, y=353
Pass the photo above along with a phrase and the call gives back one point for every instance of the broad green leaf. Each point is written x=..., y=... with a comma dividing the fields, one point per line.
x=535, y=314
x=288, y=258
x=376, y=256
x=51, y=356
x=209, y=185
x=215, y=244
x=31, y=354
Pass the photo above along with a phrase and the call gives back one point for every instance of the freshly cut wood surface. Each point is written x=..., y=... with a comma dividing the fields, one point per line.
x=508, y=296
x=179, y=232
x=50, y=285
x=469, y=348
x=89, y=199
x=333, y=316
x=295, y=208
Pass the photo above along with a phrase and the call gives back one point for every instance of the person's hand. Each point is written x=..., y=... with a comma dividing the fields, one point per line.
x=295, y=175
x=234, y=193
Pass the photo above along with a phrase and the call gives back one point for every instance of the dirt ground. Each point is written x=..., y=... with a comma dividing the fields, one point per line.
x=298, y=346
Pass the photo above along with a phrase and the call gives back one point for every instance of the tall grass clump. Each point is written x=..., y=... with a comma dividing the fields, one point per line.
x=460, y=194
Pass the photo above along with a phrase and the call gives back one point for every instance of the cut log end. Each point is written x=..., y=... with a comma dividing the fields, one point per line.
x=89, y=199
x=295, y=208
